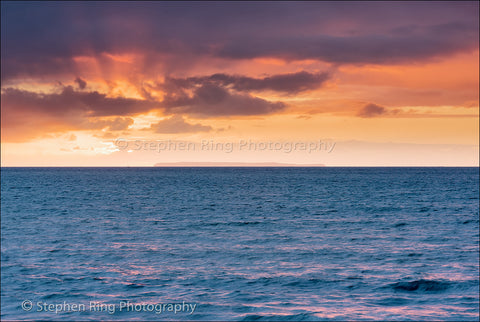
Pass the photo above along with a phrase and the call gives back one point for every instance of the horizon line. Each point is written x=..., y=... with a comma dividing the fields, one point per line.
x=240, y=166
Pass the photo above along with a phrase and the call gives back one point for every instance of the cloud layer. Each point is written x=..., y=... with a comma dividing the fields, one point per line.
x=71, y=102
x=38, y=39
x=284, y=83
x=224, y=94
x=99, y=66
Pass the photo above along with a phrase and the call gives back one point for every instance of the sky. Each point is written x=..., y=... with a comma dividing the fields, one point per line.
x=331, y=83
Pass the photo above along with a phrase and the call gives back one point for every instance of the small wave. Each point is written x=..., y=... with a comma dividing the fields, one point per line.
x=469, y=221
x=392, y=301
x=134, y=285
x=241, y=223
x=293, y=317
x=235, y=223
x=307, y=282
x=414, y=255
x=53, y=296
x=421, y=286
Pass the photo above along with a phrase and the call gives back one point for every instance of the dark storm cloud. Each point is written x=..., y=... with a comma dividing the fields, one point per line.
x=225, y=95
x=71, y=102
x=26, y=115
x=286, y=83
x=213, y=100
x=205, y=100
x=375, y=48
x=42, y=38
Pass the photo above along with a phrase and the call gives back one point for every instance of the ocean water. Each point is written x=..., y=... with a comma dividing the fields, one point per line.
x=240, y=243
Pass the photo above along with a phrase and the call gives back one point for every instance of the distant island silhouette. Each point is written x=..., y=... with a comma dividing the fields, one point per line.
x=234, y=164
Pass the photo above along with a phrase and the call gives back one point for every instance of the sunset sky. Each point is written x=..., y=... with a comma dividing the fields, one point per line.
x=107, y=84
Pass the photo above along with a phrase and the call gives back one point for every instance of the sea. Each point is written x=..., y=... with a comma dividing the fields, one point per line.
x=240, y=244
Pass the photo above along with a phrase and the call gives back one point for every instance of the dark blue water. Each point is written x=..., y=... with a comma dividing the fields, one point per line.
x=240, y=243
